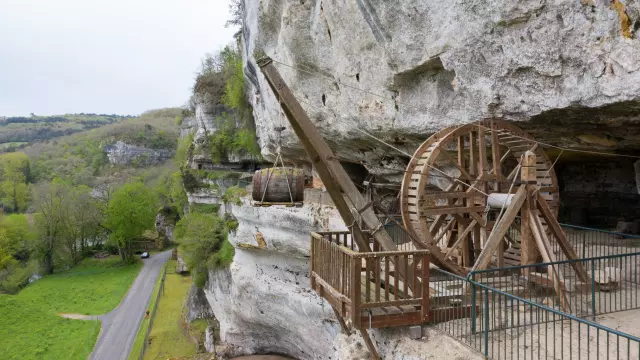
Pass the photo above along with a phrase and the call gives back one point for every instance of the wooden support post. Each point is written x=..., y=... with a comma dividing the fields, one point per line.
x=528, y=249
x=343, y=325
x=369, y=343
x=500, y=229
x=344, y=193
x=495, y=153
x=356, y=291
x=483, y=175
x=473, y=162
x=545, y=249
x=560, y=236
x=462, y=235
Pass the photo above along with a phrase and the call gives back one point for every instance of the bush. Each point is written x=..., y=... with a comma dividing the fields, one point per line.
x=203, y=244
x=233, y=195
x=17, y=277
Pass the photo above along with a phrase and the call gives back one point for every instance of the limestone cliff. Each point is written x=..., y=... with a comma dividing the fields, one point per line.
x=567, y=70
x=566, y=65
x=125, y=154
x=264, y=304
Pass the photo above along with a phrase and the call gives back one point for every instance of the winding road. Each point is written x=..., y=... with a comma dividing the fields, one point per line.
x=120, y=326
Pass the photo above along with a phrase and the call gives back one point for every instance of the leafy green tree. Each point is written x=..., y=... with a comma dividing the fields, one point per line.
x=50, y=221
x=182, y=153
x=234, y=90
x=203, y=243
x=15, y=172
x=130, y=212
x=170, y=191
x=17, y=236
x=82, y=217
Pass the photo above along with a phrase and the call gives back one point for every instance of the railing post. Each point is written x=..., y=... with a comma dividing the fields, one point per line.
x=593, y=289
x=425, y=288
x=486, y=323
x=356, y=268
x=312, y=260
x=473, y=303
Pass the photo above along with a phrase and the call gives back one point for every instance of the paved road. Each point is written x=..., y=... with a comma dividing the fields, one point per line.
x=119, y=327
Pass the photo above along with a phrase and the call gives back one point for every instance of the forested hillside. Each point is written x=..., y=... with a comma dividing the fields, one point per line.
x=18, y=132
x=63, y=200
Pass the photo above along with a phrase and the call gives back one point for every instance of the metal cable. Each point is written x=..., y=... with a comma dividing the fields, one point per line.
x=395, y=101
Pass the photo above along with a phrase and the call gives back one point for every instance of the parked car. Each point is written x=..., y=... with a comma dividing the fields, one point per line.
x=144, y=255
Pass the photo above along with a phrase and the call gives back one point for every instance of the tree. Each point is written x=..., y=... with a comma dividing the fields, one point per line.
x=50, y=222
x=17, y=235
x=203, y=242
x=131, y=211
x=236, y=8
x=82, y=216
x=170, y=191
x=15, y=173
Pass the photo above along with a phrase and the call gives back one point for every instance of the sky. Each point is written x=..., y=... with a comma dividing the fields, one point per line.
x=104, y=56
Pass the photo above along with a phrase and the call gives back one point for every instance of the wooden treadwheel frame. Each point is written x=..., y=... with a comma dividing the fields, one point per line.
x=444, y=189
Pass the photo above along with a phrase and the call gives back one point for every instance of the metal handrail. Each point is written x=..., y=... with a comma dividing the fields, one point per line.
x=562, y=262
x=557, y=312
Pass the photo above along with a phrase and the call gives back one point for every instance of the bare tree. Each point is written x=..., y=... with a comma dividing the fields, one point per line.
x=236, y=8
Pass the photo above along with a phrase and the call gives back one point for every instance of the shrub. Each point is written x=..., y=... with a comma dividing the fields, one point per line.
x=233, y=195
x=17, y=277
x=203, y=244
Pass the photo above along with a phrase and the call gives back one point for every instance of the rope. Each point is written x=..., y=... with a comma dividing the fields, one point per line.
x=549, y=171
x=395, y=101
x=504, y=203
x=471, y=187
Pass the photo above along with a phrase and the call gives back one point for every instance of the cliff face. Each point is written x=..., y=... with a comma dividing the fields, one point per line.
x=569, y=65
x=125, y=154
x=264, y=304
x=568, y=71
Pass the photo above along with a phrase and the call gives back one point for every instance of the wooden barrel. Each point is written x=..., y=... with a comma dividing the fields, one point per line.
x=277, y=189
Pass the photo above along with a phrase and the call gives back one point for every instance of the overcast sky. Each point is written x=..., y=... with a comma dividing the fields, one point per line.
x=104, y=56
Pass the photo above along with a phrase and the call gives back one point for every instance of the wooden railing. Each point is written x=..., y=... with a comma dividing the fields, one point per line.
x=354, y=281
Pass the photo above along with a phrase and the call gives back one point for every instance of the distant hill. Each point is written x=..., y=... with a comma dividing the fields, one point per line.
x=18, y=132
x=80, y=157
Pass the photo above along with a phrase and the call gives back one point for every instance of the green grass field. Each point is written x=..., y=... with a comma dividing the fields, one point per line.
x=138, y=343
x=30, y=327
x=167, y=339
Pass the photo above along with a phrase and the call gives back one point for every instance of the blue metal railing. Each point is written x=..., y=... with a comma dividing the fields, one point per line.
x=613, y=283
x=502, y=325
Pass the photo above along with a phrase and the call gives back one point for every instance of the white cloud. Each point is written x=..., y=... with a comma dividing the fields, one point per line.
x=104, y=56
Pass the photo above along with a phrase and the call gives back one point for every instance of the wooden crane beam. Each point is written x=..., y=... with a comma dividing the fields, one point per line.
x=345, y=195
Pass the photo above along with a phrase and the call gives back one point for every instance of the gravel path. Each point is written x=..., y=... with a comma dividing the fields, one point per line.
x=120, y=326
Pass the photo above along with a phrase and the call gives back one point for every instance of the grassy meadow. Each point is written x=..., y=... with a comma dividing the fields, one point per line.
x=30, y=327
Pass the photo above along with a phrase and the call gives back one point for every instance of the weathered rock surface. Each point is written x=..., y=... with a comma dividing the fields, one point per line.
x=565, y=69
x=181, y=266
x=564, y=64
x=264, y=304
x=209, y=339
x=196, y=305
x=122, y=153
x=636, y=167
x=166, y=220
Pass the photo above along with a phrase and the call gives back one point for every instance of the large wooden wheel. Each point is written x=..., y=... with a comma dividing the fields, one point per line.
x=444, y=190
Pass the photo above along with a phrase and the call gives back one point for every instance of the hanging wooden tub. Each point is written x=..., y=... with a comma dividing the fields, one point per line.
x=278, y=186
